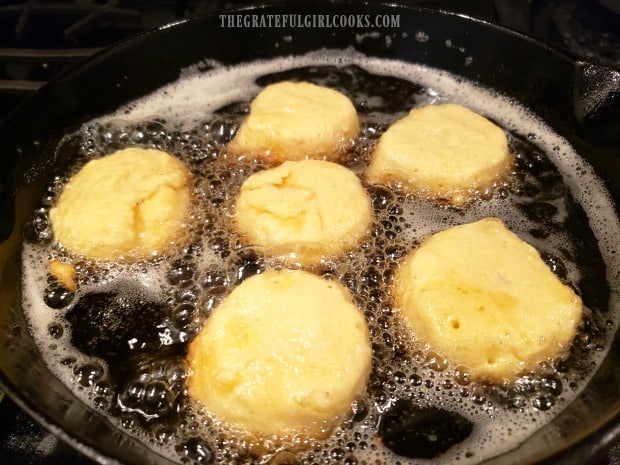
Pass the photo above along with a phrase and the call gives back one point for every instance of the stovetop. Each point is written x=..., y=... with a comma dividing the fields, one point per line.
x=40, y=38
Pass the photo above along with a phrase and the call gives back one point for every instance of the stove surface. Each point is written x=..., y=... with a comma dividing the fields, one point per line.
x=39, y=39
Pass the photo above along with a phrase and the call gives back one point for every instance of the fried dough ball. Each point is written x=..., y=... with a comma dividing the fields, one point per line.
x=130, y=204
x=442, y=151
x=285, y=353
x=483, y=298
x=304, y=210
x=64, y=273
x=296, y=121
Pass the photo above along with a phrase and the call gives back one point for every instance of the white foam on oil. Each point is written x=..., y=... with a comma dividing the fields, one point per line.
x=198, y=94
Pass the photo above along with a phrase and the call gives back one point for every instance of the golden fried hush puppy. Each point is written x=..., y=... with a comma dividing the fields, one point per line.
x=64, y=273
x=285, y=353
x=129, y=204
x=304, y=210
x=481, y=297
x=442, y=151
x=296, y=121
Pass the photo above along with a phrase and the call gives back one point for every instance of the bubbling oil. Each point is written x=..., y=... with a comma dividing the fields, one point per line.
x=120, y=341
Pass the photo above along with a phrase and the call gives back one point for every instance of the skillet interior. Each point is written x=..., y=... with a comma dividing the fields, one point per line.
x=579, y=100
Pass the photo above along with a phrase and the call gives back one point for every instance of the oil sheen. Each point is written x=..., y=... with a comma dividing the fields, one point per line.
x=120, y=341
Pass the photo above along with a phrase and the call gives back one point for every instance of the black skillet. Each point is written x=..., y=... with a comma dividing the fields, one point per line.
x=580, y=100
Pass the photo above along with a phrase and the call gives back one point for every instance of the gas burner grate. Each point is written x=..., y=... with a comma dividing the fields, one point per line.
x=91, y=13
x=38, y=38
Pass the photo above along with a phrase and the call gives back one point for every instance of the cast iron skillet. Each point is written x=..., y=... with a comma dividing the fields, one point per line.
x=580, y=100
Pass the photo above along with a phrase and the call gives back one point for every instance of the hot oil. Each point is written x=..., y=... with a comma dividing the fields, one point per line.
x=128, y=359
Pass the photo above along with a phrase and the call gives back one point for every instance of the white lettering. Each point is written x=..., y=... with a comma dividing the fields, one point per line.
x=308, y=21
